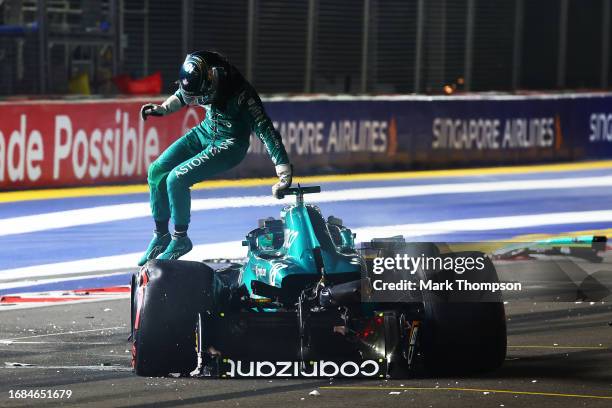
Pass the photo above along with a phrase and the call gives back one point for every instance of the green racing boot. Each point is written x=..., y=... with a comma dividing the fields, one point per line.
x=178, y=247
x=158, y=244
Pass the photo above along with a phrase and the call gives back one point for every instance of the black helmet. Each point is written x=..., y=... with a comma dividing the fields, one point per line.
x=193, y=76
x=195, y=82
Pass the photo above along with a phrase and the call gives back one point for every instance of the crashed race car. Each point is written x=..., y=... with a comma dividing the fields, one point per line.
x=300, y=304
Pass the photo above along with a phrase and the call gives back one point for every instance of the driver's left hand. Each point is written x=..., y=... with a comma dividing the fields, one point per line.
x=284, y=173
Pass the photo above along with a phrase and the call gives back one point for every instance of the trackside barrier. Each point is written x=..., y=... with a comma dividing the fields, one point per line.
x=68, y=143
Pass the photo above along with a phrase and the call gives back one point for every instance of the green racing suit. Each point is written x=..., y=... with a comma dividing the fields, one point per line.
x=217, y=144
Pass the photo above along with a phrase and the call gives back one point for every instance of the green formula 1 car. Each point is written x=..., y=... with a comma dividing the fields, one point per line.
x=302, y=304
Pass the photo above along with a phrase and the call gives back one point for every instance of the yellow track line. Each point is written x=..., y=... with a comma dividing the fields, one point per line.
x=46, y=194
x=564, y=347
x=493, y=245
x=544, y=394
x=536, y=237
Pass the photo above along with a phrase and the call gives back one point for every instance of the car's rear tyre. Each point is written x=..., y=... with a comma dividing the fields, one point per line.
x=464, y=332
x=166, y=298
x=463, y=337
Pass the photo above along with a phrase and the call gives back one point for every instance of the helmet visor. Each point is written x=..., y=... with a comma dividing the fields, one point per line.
x=187, y=97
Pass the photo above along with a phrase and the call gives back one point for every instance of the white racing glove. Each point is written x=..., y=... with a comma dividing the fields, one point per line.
x=284, y=173
x=172, y=104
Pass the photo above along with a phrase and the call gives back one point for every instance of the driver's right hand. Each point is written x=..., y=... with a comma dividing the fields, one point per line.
x=151, y=109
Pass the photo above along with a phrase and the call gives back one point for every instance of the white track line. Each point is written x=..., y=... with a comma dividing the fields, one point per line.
x=20, y=277
x=486, y=224
x=6, y=307
x=38, y=281
x=75, y=367
x=108, y=213
x=88, y=343
x=64, y=333
x=232, y=249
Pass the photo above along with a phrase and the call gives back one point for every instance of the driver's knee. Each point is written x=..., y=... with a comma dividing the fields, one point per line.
x=156, y=173
x=177, y=182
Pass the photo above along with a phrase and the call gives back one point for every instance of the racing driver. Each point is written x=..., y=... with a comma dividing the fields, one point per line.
x=218, y=143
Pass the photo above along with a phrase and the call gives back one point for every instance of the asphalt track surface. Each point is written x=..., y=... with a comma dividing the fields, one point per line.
x=559, y=354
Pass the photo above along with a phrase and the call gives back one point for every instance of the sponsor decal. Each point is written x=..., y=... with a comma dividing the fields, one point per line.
x=51, y=144
x=241, y=98
x=303, y=138
x=600, y=125
x=492, y=133
x=290, y=237
x=295, y=369
x=189, y=67
x=66, y=150
x=260, y=271
x=76, y=144
x=275, y=272
x=203, y=157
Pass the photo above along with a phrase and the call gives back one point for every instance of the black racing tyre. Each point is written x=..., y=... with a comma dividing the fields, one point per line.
x=466, y=332
x=166, y=299
x=461, y=332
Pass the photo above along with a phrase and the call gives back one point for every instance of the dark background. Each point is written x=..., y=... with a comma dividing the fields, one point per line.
x=306, y=46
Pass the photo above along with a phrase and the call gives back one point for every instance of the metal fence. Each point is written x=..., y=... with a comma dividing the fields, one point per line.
x=295, y=46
